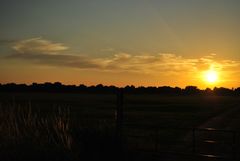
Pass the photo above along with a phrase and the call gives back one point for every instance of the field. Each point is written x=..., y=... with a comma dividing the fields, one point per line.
x=82, y=126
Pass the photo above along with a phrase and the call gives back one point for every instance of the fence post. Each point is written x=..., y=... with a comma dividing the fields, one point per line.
x=119, y=117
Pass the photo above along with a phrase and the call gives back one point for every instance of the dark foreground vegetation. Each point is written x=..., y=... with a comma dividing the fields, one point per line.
x=65, y=123
x=32, y=134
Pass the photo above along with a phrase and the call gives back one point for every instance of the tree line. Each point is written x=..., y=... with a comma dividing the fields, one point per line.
x=58, y=87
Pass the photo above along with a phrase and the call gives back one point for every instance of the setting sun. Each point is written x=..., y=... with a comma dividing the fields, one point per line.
x=211, y=76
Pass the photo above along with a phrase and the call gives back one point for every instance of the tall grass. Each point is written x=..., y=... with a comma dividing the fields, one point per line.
x=27, y=133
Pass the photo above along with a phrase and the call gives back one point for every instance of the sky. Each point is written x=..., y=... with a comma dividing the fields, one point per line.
x=127, y=42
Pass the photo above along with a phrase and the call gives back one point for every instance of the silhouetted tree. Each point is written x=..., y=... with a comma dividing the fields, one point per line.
x=237, y=91
x=191, y=90
x=208, y=91
x=165, y=90
x=222, y=91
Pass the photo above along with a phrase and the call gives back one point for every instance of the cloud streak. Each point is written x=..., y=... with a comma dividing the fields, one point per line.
x=38, y=45
x=45, y=52
x=80, y=62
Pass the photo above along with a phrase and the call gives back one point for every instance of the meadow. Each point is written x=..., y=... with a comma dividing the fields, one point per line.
x=70, y=126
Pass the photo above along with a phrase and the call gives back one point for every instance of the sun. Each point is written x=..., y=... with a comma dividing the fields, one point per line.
x=211, y=76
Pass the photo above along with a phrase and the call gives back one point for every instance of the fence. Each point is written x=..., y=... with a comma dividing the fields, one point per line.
x=222, y=145
x=197, y=143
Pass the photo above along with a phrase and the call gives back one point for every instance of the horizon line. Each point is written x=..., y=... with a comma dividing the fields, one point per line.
x=129, y=85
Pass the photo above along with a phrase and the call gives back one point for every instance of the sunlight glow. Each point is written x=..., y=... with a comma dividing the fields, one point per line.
x=211, y=76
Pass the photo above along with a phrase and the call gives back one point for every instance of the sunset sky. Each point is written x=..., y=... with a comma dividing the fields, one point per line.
x=121, y=42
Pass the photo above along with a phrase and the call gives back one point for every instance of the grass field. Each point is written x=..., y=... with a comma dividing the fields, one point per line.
x=82, y=126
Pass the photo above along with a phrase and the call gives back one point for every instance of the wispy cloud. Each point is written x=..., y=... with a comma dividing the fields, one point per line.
x=45, y=52
x=38, y=45
x=80, y=62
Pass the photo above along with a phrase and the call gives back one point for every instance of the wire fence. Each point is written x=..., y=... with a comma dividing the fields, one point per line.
x=196, y=143
x=201, y=143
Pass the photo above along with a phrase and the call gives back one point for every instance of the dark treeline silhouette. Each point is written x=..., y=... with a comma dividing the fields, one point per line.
x=58, y=87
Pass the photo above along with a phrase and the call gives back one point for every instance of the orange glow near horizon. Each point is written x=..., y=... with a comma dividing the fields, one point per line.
x=201, y=72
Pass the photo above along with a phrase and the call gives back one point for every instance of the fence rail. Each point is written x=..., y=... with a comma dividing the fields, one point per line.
x=196, y=140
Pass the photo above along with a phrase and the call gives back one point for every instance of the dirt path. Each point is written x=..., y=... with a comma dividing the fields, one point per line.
x=223, y=120
x=228, y=120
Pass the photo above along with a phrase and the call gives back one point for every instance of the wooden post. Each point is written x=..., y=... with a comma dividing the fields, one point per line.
x=119, y=117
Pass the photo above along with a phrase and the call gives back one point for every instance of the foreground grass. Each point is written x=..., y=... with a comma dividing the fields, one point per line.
x=29, y=134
